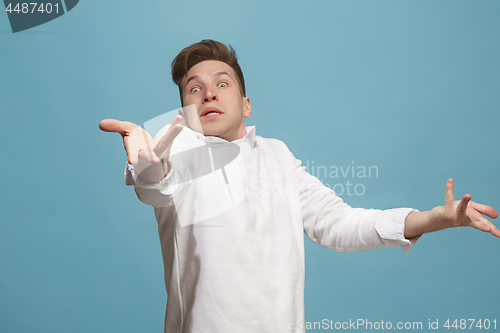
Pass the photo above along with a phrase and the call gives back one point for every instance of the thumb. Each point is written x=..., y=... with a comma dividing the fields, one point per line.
x=117, y=126
x=164, y=144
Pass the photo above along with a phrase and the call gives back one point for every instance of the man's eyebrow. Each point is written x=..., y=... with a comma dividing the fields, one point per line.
x=193, y=77
x=222, y=73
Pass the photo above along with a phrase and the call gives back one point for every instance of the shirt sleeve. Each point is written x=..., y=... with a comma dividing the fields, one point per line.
x=157, y=194
x=330, y=222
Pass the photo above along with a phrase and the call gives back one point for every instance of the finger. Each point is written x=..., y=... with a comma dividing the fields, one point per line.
x=116, y=126
x=462, y=205
x=449, y=198
x=164, y=144
x=488, y=225
x=133, y=158
x=136, y=141
x=485, y=225
x=485, y=209
x=152, y=158
x=180, y=119
x=495, y=232
x=132, y=151
x=480, y=226
x=477, y=221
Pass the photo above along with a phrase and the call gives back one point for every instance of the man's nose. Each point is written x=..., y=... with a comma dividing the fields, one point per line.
x=209, y=96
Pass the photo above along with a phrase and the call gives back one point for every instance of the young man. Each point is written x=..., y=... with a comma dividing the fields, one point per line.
x=232, y=239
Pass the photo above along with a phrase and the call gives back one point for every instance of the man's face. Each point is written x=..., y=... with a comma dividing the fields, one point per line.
x=213, y=88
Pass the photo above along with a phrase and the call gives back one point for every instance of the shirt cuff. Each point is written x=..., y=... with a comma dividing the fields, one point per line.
x=390, y=225
x=162, y=186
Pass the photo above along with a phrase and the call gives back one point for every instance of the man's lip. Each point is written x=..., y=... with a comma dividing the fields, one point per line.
x=211, y=109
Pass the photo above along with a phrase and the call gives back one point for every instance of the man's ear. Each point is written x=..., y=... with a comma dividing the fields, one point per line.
x=248, y=107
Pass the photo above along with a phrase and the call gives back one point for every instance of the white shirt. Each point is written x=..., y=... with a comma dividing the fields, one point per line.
x=232, y=239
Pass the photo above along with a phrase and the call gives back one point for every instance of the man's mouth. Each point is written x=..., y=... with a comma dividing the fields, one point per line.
x=211, y=112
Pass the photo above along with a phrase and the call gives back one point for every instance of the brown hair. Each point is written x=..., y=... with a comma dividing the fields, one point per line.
x=207, y=49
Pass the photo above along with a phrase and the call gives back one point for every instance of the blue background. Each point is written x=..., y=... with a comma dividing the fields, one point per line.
x=412, y=87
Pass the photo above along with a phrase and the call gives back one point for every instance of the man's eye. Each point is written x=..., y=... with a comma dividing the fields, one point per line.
x=195, y=89
x=223, y=84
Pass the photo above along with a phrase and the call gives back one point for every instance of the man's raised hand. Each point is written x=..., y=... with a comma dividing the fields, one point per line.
x=464, y=212
x=458, y=213
x=142, y=150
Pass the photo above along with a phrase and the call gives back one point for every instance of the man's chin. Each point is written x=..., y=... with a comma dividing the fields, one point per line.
x=213, y=135
x=217, y=135
x=211, y=131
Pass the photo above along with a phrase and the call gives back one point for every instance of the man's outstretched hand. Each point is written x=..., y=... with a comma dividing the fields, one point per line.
x=458, y=213
x=142, y=150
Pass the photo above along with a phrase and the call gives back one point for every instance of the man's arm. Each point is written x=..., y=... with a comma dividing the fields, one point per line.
x=328, y=221
x=458, y=213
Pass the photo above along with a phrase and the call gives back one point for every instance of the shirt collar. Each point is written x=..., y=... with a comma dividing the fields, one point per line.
x=250, y=136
